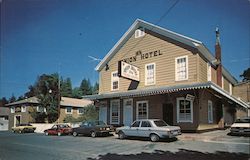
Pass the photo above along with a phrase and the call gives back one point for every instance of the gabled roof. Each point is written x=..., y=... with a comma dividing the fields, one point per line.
x=167, y=33
x=65, y=101
x=167, y=89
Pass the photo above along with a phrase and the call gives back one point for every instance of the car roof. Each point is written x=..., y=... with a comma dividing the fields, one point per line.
x=148, y=120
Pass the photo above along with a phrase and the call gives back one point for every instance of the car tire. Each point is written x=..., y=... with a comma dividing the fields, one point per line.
x=59, y=133
x=121, y=135
x=46, y=133
x=154, y=137
x=93, y=134
x=74, y=134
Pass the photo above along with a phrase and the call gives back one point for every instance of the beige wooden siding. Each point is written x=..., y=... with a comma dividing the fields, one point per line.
x=202, y=70
x=214, y=75
x=165, y=63
x=226, y=84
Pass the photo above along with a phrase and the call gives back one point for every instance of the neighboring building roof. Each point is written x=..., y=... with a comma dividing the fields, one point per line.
x=4, y=111
x=65, y=101
x=33, y=100
x=167, y=89
x=167, y=33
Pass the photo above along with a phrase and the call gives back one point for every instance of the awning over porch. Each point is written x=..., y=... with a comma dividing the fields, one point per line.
x=167, y=89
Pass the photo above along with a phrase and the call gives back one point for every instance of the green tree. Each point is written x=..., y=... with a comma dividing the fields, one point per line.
x=3, y=102
x=31, y=92
x=12, y=99
x=77, y=93
x=95, y=89
x=47, y=91
x=66, y=88
x=246, y=75
x=86, y=87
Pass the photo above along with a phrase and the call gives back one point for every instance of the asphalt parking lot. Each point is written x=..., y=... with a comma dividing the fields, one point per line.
x=210, y=145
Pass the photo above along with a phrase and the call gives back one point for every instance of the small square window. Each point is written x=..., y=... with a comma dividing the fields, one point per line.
x=68, y=110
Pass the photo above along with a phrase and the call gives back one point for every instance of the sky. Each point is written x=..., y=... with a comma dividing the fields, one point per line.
x=48, y=36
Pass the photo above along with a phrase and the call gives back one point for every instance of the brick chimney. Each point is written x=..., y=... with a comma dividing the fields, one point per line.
x=218, y=57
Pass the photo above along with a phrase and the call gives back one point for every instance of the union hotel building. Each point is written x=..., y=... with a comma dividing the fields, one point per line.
x=152, y=72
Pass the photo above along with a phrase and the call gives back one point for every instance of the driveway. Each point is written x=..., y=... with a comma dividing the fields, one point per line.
x=37, y=146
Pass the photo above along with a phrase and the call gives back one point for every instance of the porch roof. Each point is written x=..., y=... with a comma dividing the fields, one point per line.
x=167, y=89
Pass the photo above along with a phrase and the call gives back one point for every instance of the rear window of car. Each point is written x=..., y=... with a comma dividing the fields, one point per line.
x=99, y=123
x=160, y=123
x=242, y=121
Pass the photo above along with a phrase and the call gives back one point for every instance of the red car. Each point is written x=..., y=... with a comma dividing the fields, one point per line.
x=59, y=129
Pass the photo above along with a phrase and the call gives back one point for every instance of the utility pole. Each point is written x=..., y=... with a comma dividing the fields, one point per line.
x=59, y=94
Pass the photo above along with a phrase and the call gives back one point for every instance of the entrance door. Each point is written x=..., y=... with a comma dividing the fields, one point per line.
x=103, y=114
x=127, y=112
x=168, y=113
x=17, y=120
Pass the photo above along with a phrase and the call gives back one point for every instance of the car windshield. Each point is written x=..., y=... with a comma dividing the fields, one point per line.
x=243, y=120
x=160, y=123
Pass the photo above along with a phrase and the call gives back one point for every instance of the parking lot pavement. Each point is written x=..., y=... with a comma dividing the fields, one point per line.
x=37, y=146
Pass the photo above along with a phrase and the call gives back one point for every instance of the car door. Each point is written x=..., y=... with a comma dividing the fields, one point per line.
x=53, y=129
x=133, y=129
x=83, y=128
x=145, y=129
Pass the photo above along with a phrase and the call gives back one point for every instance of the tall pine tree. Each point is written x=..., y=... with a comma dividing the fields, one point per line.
x=86, y=87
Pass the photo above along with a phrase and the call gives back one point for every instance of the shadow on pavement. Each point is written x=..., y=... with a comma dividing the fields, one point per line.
x=182, y=154
x=168, y=140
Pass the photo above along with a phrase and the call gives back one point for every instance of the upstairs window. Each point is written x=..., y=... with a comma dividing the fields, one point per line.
x=80, y=110
x=150, y=74
x=68, y=110
x=181, y=68
x=12, y=110
x=140, y=32
x=23, y=109
x=114, y=81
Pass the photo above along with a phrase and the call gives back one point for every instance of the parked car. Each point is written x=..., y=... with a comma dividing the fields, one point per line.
x=24, y=128
x=93, y=128
x=152, y=128
x=241, y=127
x=59, y=129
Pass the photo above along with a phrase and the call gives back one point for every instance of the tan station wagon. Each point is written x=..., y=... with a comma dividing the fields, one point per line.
x=24, y=128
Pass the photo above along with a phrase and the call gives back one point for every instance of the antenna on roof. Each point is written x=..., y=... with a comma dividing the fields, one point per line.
x=94, y=59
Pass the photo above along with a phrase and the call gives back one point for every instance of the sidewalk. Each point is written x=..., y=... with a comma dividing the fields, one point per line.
x=206, y=136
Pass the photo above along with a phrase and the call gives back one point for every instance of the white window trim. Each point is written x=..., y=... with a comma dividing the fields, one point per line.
x=12, y=109
x=114, y=79
x=79, y=112
x=178, y=108
x=117, y=100
x=69, y=112
x=23, y=108
x=212, y=119
x=209, y=72
x=230, y=89
x=137, y=104
x=140, y=32
x=176, y=77
x=146, y=82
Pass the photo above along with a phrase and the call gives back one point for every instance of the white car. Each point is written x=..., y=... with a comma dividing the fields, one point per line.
x=241, y=127
x=152, y=128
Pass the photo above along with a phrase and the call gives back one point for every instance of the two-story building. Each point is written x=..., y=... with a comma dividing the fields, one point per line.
x=20, y=111
x=152, y=72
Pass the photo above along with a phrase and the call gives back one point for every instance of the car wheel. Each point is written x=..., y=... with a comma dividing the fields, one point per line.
x=74, y=134
x=121, y=135
x=46, y=133
x=154, y=138
x=59, y=133
x=93, y=134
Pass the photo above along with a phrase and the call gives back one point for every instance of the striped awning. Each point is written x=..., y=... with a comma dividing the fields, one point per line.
x=166, y=89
